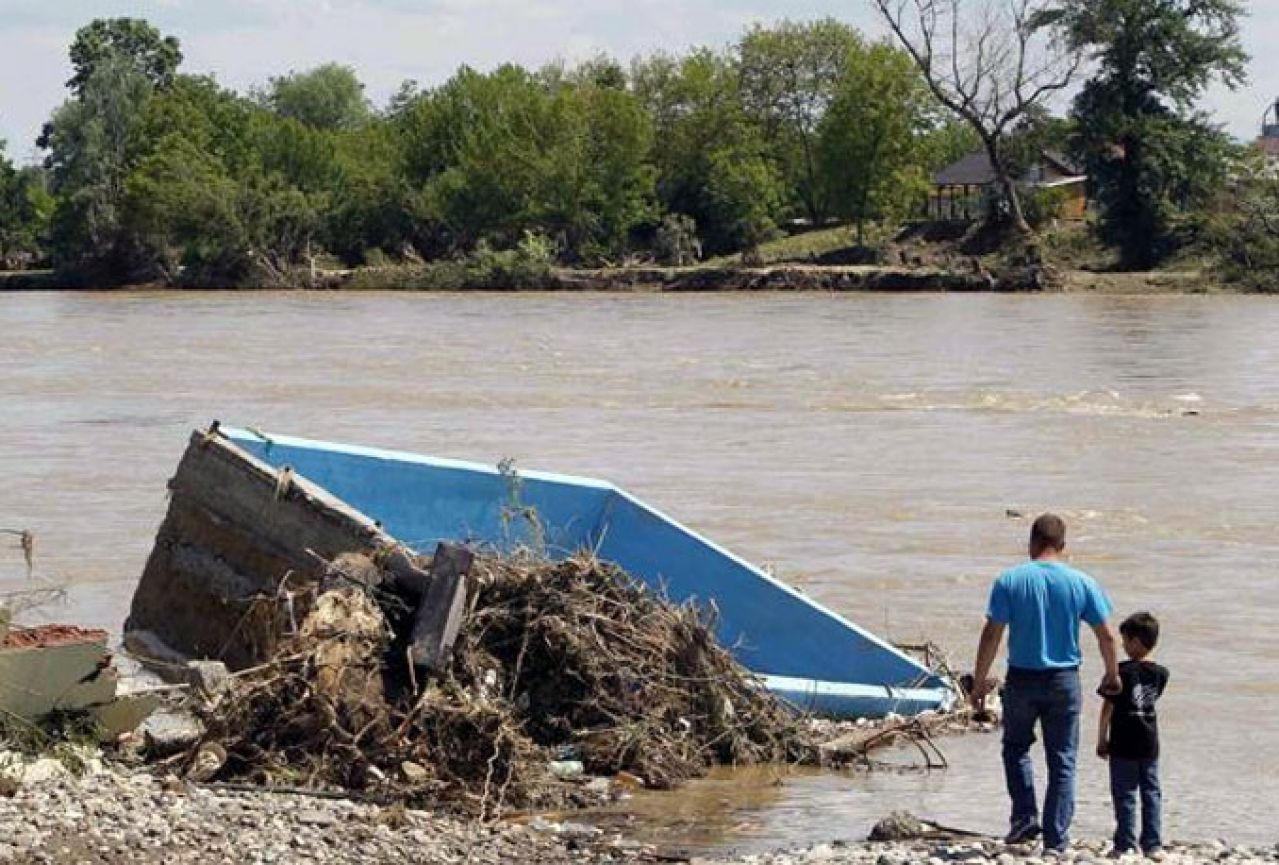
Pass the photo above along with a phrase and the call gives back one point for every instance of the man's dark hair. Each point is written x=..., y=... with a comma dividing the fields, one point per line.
x=1048, y=533
x=1142, y=627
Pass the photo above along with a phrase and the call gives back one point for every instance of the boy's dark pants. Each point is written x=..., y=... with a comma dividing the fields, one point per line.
x=1130, y=780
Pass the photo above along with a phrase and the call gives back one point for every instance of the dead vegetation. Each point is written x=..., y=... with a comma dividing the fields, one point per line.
x=569, y=661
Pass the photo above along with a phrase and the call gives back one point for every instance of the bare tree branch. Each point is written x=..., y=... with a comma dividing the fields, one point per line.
x=998, y=61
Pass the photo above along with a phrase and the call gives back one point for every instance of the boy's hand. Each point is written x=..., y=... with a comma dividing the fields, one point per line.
x=1110, y=686
x=1103, y=750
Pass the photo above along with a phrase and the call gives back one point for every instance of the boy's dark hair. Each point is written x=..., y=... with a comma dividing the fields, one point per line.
x=1048, y=533
x=1142, y=627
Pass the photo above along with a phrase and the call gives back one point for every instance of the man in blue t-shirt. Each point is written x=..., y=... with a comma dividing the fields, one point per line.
x=1041, y=604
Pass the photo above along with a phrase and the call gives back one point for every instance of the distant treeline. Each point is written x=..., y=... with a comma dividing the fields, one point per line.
x=152, y=174
x=155, y=174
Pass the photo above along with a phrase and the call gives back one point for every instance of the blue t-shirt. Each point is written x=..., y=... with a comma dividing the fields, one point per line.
x=1042, y=603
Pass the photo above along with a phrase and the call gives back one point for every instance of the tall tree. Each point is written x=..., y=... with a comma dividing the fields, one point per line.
x=1145, y=146
x=872, y=155
x=89, y=142
x=989, y=62
x=790, y=75
x=25, y=209
x=327, y=97
x=153, y=55
x=713, y=160
x=10, y=219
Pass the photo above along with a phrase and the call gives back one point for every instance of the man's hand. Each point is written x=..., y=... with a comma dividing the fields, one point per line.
x=992, y=634
x=1107, y=644
x=1103, y=749
x=981, y=690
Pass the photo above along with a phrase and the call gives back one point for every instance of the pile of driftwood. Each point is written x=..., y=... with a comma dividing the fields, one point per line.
x=571, y=660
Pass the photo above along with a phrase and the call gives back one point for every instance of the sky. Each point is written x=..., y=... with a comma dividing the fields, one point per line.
x=245, y=42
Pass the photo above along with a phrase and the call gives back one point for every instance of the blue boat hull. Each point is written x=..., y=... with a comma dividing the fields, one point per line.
x=805, y=653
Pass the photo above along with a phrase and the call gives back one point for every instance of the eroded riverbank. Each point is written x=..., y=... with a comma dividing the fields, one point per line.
x=711, y=279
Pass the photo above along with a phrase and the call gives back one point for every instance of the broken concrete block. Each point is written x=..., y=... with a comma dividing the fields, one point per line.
x=54, y=667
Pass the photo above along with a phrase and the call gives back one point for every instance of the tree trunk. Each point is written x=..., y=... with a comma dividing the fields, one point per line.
x=1006, y=185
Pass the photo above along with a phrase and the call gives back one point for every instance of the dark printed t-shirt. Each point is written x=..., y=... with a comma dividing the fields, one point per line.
x=1134, y=726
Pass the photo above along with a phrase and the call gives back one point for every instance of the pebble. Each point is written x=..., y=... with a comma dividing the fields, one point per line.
x=123, y=817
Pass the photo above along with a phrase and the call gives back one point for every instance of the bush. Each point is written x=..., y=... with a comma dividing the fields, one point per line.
x=527, y=267
x=1042, y=205
x=676, y=242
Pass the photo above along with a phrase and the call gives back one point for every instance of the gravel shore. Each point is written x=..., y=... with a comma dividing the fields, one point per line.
x=136, y=818
x=118, y=817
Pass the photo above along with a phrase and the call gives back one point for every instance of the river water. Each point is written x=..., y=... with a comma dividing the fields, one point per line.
x=872, y=449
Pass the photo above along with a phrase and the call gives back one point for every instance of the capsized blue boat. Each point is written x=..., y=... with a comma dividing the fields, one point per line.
x=806, y=654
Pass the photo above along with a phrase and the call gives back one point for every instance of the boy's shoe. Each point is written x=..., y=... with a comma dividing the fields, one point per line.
x=1056, y=852
x=1119, y=853
x=1023, y=832
x=1156, y=854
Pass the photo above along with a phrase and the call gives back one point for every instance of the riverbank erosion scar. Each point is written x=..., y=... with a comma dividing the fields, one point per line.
x=798, y=278
x=708, y=278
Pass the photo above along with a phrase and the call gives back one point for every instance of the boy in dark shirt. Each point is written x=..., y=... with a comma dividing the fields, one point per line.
x=1129, y=737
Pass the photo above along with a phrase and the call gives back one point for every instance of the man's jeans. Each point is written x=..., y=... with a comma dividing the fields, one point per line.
x=1128, y=780
x=1053, y=699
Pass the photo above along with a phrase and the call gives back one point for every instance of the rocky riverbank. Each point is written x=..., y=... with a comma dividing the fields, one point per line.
x=991, y=852
x=117, y=817
x=113, y=817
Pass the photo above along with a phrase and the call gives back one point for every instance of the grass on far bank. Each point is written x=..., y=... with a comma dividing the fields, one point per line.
x=795, y=247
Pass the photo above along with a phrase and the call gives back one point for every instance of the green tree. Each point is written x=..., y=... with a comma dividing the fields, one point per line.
x=600, y=186
x=790, y=76
x=948, y=140
x=871, y=141
x=90, y=155
x=745, y=192
x=10, y=211
x=371, y=205
x=154, y=56
x=703, y=136
x=494, y=156
x=1243, y=230
x=25, y=209
x=181, y=208
x=327, y=97
x=1144, y=146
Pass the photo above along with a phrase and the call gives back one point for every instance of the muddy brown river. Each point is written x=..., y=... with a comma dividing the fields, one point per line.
x=874, y=450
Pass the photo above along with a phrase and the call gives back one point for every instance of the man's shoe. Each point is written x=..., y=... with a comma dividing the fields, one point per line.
x=1121, y=852
x=1057, y=851
x=1023, y=832
x=1155, y=854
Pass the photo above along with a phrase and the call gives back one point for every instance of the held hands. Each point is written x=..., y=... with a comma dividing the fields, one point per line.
x=1103, y=749
x=1110, y=685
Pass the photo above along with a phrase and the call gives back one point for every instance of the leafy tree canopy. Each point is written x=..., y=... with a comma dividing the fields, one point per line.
x=872, y=138
x=327, y=97
x=155, y=56
x=1149, y=155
